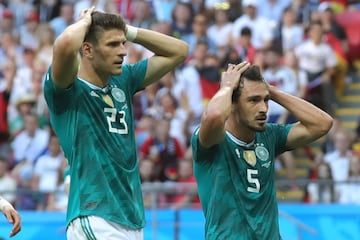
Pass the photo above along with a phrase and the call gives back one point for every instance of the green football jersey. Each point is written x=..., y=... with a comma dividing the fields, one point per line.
x=236, y=185
x=95, y=129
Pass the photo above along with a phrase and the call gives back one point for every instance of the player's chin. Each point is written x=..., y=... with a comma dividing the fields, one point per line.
x=117, y=71
x=260, y=127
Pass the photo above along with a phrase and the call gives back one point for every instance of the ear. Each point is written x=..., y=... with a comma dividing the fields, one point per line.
x=87, y=50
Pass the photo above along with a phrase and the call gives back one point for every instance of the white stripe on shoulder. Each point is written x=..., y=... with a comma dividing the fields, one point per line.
x=197, y=131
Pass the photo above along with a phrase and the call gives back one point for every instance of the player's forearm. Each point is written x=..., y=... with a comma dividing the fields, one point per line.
x=313, y=118
x=70, y=40
x=219, y=107
x=213, y=120
x=162, y=45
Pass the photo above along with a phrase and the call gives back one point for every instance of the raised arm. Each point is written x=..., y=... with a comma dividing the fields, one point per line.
x=66, y=49
x=212, y=127
x=168, y=52
x=312, y=123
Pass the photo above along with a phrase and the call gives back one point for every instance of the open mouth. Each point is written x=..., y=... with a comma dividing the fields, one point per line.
x=261, y=119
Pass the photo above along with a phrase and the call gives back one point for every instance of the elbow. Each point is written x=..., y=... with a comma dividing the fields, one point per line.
x=325, y=125
x=182, y=51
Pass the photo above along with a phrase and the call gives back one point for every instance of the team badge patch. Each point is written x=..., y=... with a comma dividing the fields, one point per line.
x=262, y=153
x=118, y=94
x=249, y=156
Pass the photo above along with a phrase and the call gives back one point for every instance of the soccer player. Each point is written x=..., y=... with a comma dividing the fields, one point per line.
x=90, y=104
x=234, y=151
x=11, y=215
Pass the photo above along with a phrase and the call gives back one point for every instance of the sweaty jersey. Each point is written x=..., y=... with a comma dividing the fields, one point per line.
x=236, y=185
x=95, y=129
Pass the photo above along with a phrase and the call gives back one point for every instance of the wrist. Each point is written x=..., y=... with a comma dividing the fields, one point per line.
x=3, y=204
x=131, y=33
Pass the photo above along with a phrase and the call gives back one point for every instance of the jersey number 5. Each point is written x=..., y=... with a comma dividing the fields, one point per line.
x=111, y=119
x=253, y=180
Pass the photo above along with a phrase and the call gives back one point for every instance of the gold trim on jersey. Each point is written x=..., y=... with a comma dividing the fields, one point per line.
x=107, y=99
x=250, y=157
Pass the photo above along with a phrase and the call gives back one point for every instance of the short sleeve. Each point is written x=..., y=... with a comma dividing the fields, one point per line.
x=57, y=99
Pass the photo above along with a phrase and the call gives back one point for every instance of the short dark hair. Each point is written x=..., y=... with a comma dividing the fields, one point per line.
x=253, y=73
x=275, y=48
x=245, y=31
x=101, y=22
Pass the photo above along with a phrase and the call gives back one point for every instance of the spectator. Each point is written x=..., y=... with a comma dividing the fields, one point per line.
x=208, y=75
x=38, y=71
x=7, y=23
x=26, y=198
x=22, y=80
x=262, y=32
x=48, y=9
x=349, y=191
x=235, y=8
x=6, y=85
x=339, y=159
x=327, y=146
x=20, y=8
x=24, y=105
x=123, y=7
x=186, y=194
x=31, y=142
x=182, y=19
x=272, y=10
x=46, y=171
x=58, y=200
x=198, y=6
x=199, y=34
x=147, y=177
x=220, y=30
x=331, y=25
x=318, y=60
x=290, y=32
x=143, y=15
x=188, y=86
x=164, y=9
x=290, y=60
x=46, y=38
x=145, y=127
x=322, y=189
x=65, y=18
x=259, y=59
x=243, y=46
x=8, y=185
x=167, y=104
x=303, y=10
x=144, y=99
x=28, y=31
x=336, y=37
x=163, y=150
x=10, y=49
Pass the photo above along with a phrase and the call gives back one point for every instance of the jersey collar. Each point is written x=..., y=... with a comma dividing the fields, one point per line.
x=239, y=142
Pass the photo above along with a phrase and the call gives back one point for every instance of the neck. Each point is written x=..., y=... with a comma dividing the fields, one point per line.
x=239, y=131
x=91, y=76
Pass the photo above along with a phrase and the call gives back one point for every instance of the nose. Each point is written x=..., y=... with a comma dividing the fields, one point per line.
x=263, y=108
x=122, y=50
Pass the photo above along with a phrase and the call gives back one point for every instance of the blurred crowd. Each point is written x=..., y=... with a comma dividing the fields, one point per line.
x=299, y=45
